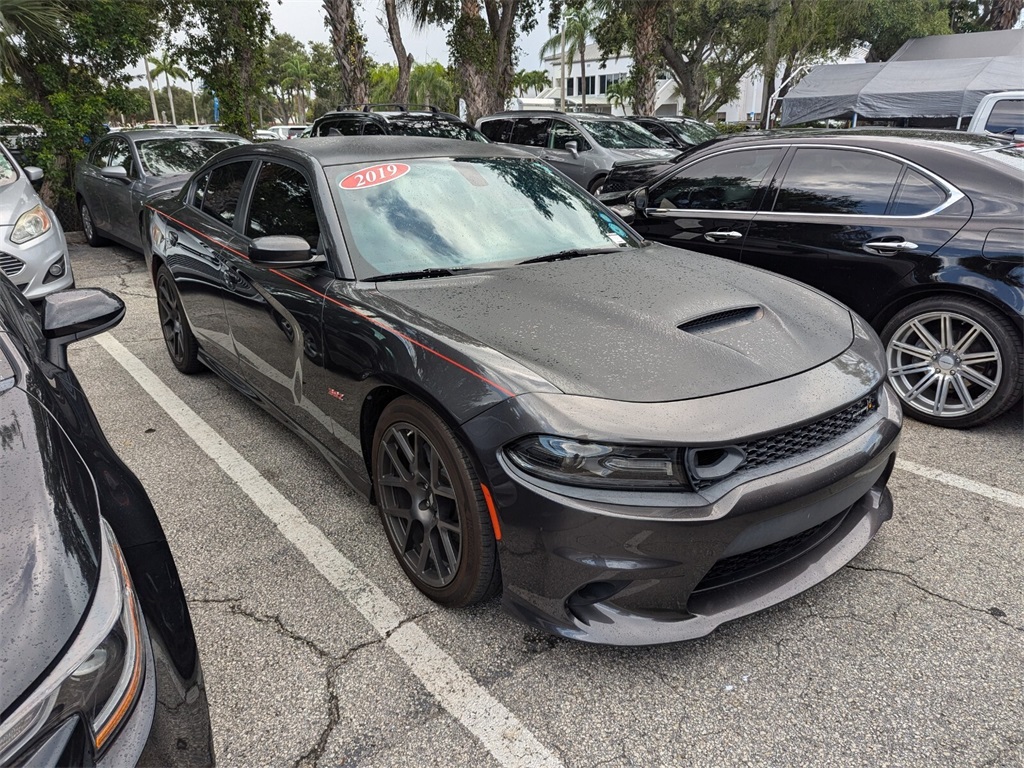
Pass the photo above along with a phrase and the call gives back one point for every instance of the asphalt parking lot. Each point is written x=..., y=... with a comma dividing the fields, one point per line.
x=318, y=651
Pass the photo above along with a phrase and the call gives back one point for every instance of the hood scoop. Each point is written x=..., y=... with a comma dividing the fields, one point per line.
x=719, y=321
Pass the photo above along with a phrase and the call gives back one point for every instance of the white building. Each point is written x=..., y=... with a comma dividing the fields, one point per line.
x=746, y=107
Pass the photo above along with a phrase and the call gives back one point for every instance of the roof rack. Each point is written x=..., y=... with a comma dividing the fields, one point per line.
x=400, y=107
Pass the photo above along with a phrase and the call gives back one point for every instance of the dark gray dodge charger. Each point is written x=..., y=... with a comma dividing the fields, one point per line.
x=633, y=443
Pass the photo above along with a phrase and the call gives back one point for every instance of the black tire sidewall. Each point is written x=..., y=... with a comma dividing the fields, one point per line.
x=190, y=359
x=477, y=562
x=1007, y=341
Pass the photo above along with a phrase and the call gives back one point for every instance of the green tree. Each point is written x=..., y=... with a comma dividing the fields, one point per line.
x=620, y=93
x=281, y=49
x=526, y=81
x=298, y=75
x=403, y=57
x=579, y=23
x=886, y=25
x=225, y=44
x=326, y=78
x=431, y=85
x=165, y=65
x=31, y=21
x=71, y=82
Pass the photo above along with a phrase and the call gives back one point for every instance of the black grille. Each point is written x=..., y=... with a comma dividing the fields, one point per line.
x=10, y=265
x=757, y=561
x=720, y=319
x=769, y=450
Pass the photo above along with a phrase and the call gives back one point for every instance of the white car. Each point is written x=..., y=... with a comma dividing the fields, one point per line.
x=33, y=251
x=1001, y=112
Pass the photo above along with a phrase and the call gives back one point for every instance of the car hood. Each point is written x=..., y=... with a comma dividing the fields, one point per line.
x=609, y=325
x=165, y=186
x=642, y=154
x=15, y=199
x=49, y=542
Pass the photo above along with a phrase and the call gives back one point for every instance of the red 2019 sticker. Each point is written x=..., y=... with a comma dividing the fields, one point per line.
x=374, y=175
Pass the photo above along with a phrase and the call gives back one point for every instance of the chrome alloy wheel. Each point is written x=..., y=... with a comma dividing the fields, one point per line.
x=944, y=364
x=419, y=504
x=87, y=227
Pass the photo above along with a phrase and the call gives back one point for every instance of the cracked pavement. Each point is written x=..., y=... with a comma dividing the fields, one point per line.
x=910, y=656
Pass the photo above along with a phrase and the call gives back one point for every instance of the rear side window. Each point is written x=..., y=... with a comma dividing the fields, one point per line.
x=1006, y=115
x=282, y=204
x=724, y=182
x=531, y=132
x=497, y=130
x=223, y=190
x=837, y=181
x=917, y=194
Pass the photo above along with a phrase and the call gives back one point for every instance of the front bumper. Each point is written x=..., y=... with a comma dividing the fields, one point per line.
x=645, y=568
x=28, y=264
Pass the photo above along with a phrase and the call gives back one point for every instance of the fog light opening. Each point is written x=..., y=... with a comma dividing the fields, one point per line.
x=580, y=603
x=57, y=268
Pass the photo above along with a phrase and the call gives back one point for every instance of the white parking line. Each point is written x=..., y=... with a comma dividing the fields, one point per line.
x=500, y=732
x=963, y=483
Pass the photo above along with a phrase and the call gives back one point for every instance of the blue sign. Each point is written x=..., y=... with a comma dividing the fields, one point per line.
x=216, y=109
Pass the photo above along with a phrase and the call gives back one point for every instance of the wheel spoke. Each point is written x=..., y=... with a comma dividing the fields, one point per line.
x=398, y=511
x=911, y=369
x=394, y=482
x=421, y=561
x=982, y=381
x=925, y=336
x=946, y=331
x=448, y=526
x=921, y=385
x=967, y=339
x=910, y=349
x=979, y=357
x=449, y=550
x=396, y=462
x=942, y=391
x=962, y=393
x=403, y=444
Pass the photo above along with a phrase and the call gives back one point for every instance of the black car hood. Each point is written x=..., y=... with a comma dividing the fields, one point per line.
x=608, y=325
x=49, y=542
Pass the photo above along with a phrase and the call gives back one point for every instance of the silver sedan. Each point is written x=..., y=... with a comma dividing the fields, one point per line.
x=123, y=169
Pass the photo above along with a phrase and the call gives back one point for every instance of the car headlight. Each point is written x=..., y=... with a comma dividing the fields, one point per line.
x=101, y=677
x=598, y=465
x=30, y=225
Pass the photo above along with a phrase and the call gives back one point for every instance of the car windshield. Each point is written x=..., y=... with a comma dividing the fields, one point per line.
x=621, y=134
x=7, y=172
x=696, y=132
x=434, y=128
x=452, y=213
x=169, y=157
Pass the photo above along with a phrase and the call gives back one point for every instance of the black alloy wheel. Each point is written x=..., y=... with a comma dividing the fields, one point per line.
x=88, y=224
x=431, y=505
x=181, y=343
x=954, y=362
x=597, y=186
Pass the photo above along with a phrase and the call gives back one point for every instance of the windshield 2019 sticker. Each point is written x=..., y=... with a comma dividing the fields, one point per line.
x=374, y=175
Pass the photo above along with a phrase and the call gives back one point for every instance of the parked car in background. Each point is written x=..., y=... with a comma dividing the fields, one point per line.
x=999, y=113
x=20, y=139
x=394, y=120
x=99, y=664
x=33, y=252
x=584, y=147
x=638, y=443
x=291, y=131
x=921, y=232
x=122, y=170
x=677, y=132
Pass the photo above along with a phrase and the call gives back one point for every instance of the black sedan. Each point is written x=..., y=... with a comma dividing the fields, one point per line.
x=98, y=664
x=637, y=443
x=123, y=169
x=922, y=233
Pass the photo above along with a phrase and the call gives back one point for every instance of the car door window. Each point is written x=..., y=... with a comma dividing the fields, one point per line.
x=121, y=157
x=531, y=132
x=562, y=133
x=837, y=181
x=99, y=154
x=724, y=182
x=199, y=191
x=1006, y=115
x=917, y=194
x=372, y=129
x=282, y=204
x=497, y=130
x=223, y=190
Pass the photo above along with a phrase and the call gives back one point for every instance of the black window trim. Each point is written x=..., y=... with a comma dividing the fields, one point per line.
x=953, y=194
x=243, y=197
x=759, y=194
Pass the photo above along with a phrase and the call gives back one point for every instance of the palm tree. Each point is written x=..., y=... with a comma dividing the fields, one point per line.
x=577, y=27
x=169, y=68
x=20, y=19
x=430, y=84
x=297, y=76
x=619, y=92
x=535, y=80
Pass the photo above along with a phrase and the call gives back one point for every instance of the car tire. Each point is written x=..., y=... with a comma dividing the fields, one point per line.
x=89, y=225
x=432, y=507
x=954, y=362
x=181, y=342
x=596, y=186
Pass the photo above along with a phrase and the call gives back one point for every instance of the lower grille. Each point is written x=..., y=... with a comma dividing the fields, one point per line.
x=10, y=265
x=756, y=561
x=783, y=445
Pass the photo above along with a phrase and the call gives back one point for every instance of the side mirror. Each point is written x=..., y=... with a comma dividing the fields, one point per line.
x=116, y=172
x=281, y=251
x=639, y=200
x=625, y=212
x=69, y=316
x=573, y=147
x=33, y=173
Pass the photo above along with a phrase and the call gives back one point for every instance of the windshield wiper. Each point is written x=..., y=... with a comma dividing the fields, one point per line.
x=572, y=253
x=416, y=274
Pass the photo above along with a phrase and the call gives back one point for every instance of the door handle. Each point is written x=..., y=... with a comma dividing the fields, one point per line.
x=888, y=247
x=722, y=235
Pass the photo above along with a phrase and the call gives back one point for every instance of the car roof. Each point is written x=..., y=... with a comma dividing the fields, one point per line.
x=553, y=113
x=174, y=133
x=341, y=150
x=867, y=137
